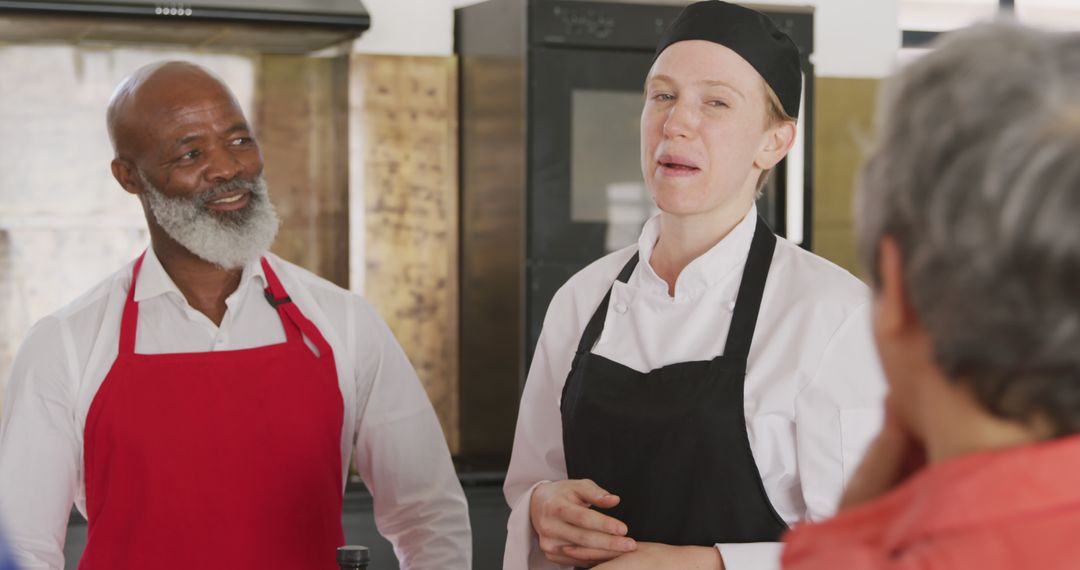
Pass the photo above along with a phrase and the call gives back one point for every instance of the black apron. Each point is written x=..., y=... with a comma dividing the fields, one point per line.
x=672, y=443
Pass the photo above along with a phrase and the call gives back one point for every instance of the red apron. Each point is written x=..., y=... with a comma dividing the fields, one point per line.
x=225, y=459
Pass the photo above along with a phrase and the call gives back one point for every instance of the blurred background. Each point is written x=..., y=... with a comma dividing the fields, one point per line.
x=454, y=161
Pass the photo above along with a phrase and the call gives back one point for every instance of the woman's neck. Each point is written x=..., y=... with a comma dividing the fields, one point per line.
x=685, y=238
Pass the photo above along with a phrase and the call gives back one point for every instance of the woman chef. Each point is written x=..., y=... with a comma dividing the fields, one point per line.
x=694, y=394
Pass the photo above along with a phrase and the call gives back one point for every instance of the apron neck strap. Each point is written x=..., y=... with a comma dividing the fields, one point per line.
x=291, y=318
x=596, y=323
x=751, y=290
x=131, y=311
x=277, y=297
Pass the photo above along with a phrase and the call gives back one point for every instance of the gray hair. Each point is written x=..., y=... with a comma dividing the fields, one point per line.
x=976, y=175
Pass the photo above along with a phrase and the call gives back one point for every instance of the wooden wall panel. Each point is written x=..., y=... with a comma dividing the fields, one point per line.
x=408, y=122
x=302, y=126
x=844, y=117
x=493, y=249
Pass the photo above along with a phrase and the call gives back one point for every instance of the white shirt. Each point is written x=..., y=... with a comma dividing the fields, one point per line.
x=814, y=387
x=389, y=423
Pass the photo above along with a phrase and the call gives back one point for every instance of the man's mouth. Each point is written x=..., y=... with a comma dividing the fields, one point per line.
x=230, y=201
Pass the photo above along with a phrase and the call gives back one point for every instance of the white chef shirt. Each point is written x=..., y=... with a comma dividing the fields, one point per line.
x=389, y=422
x=814, y=388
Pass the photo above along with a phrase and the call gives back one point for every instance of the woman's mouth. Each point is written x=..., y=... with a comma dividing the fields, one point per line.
x=676, y=167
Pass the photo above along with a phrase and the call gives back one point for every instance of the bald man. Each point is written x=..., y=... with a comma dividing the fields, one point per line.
x=200, y=406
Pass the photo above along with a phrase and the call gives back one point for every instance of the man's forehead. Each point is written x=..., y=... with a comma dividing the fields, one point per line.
x=184, y=105
x=159, y=87
x=176, y=92
x=190, y=126
x=193, y=108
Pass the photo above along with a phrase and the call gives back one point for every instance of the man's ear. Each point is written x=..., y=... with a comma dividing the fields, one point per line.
x=778, y=141
x=126, y=174
x=896, y=314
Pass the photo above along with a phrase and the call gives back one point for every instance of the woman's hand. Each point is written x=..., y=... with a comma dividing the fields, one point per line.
x=653, y=556
x=562, y=518
x=893, y=456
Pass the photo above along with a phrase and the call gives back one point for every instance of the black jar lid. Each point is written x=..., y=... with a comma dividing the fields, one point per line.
x=353, y=555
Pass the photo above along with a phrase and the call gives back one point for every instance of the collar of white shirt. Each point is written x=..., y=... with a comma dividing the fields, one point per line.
x=713, y=266
x=154, y=281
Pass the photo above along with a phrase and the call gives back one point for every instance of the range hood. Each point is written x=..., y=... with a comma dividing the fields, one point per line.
x=273, y=26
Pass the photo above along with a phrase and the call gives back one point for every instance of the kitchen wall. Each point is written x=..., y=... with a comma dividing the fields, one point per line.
x=342, y=151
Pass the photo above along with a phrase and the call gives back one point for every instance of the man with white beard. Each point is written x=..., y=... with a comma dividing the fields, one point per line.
x=200, y=406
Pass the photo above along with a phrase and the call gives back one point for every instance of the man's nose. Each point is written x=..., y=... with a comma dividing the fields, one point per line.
x=223, y=166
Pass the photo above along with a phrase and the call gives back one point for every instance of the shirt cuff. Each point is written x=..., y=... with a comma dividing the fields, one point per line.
x=522, y=550
x=751, y=555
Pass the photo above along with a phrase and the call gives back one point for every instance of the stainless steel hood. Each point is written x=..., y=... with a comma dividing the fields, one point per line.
x=273, y=26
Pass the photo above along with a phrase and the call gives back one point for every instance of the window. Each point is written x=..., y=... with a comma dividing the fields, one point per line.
x=1052, y=14
x=944, y=15
x=922, y=20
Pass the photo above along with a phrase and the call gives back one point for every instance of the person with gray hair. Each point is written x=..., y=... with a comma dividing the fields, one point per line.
x=968, y=214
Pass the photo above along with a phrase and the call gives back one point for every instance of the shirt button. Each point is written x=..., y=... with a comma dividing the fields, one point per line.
x=620, y=308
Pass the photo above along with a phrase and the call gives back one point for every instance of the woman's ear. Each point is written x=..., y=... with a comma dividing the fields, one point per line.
x=779, y=139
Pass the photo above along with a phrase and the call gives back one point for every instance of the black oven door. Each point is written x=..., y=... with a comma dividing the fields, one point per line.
x=585, y=196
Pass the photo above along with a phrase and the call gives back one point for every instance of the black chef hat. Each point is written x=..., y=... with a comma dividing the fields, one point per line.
x=750, y=34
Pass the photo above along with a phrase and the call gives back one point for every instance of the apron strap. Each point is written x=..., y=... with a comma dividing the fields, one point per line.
x=751, y=290
x=130, y=319
x=596, y=323
x=291, y=318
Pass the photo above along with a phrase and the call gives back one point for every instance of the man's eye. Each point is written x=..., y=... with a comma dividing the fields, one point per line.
x=664, y=97
x=240, y=141
x=717, y=103
x=190, y=155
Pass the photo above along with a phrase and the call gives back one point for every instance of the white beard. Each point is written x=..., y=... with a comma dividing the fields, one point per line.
x=230, y=240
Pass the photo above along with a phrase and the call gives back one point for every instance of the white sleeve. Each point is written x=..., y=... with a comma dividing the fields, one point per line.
x=537, y=455
x=838, y=413
x=39, y=447
x=751, y=555
x=402, y=456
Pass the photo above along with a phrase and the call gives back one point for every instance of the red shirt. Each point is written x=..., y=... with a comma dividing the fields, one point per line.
x=1008, y=509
